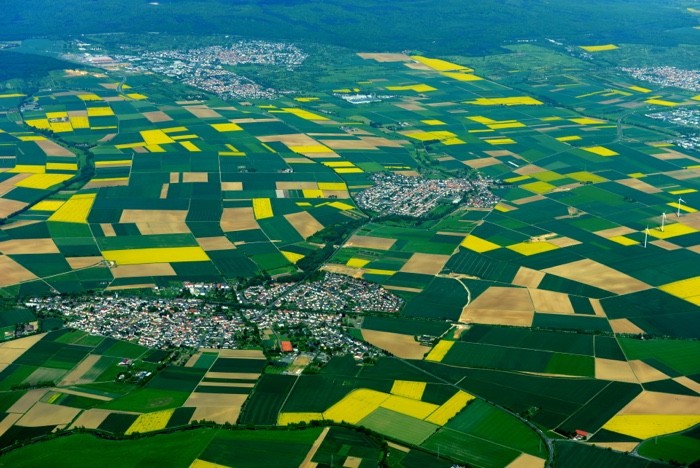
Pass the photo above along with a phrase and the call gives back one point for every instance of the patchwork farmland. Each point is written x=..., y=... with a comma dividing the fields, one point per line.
x=552, y=294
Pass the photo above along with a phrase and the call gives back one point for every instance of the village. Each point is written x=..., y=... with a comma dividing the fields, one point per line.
x=396, y=194
x=207, y=68
x=306, y=317
x=331, y=293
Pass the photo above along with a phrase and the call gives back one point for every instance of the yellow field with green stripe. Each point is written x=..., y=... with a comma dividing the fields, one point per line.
x=150, y=422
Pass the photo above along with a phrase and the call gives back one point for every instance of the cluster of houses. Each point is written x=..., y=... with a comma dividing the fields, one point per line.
x=397, y=194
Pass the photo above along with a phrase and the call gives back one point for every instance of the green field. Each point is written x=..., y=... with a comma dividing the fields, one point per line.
x=682, y=448
x=398, y=426
x=548, y=260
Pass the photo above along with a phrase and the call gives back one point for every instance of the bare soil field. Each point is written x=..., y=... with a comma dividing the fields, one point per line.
x=13, y=272
x=305, y=224
x=428, y=264
x=238, y=219
x=608, y=369
x=138, y=271
x=662, y=403
x=403, y=346
x=158, y=116
x=528, y=277
x=54, y=149
x=28, y=246
x=551, y=302
x=596, y=274
x=44, y=414
x=646, y=373
x=369, y=242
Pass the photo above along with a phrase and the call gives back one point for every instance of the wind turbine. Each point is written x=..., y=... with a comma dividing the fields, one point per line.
x=663, y=221
x=646, y=235
x=678, y=213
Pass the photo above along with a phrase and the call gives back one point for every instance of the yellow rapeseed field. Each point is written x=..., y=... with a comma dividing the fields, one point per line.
x=688, y=289
x=538, y=187
x=434, y=135
x=136, y=96
x=569, y=138
x=682, y=191
x=408, y=389
x=547, y=176
x=433, y=122
x=150, y=422
x=376, y=271
x=478, y=244
x=644, y=426
x=583, y=176
x=52, y=166
x=639, y=89
x=341, y=206
x=672, y=230
x=79, y=122
x=513, y=180
x=506, y=101
x=293, y=257
x=226, y=127
x=587, y=121
x=338, y=164
x=333, y=186
x=47, y=205
x=155, y=137
x=32, y=138
x=189, y=146
x=42, y=124
x=115, y=163
x=503, y=125
x=532, y=248
x=682, y=206
x=61, y=127
x=622, y=240
x=312, y=193
x=357, y=262
x=355, y=406
x=43, y=181
x=304, y=114
x=462, y=76
x=600, y=151
x=156, y=255
x=28, y=169
x=418, y=88
x=262, y=208
x=662, y=102
x=205, y=464
x=440, y=65
x=599, y=48
x=155, y=148
x=450, y=408
x=75, y=210
x=99, y=111
x=439, y=351
x=89, y=97
x=293, y=418
x=301, y=149
x=348, y=170
x=130, y=145
x=408, y=406
x=500, y=141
